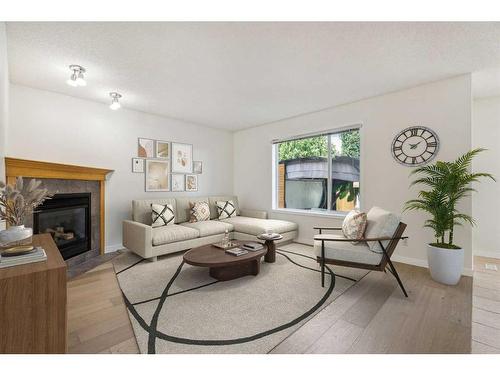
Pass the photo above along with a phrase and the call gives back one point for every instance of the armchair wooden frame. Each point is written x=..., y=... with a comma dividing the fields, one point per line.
x=386, y=253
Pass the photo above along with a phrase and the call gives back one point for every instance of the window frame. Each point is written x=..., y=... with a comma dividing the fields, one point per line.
x=328, y=133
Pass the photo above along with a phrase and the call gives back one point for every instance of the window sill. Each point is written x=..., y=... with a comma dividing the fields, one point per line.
x=291, y=211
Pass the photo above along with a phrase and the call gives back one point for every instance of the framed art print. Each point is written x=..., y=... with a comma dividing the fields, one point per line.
x=191, y=182
x=197, y=167
x=137, y=165
x=178, y=182
x=162, y=150
x=145, y=148
x=182, y=158
x=157, y=175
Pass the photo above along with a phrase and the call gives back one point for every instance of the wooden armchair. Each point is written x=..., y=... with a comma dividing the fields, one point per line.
x=359, y=255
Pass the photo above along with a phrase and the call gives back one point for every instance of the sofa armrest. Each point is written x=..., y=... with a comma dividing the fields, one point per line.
x=257, y=214
x=138, y=238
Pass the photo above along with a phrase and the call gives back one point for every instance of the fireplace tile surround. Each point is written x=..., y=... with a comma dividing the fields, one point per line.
x=60, y=186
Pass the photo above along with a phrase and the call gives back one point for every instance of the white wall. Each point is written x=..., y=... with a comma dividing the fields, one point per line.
x=444, y=106
x=4, y=100
x=57, y=128
x=486, y=203
x=4, y=97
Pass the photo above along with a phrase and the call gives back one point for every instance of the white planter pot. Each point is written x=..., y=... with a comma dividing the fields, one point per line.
x=445, y=265
x=15, y=235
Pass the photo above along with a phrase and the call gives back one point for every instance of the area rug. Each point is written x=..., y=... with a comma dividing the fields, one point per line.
x=178, y=308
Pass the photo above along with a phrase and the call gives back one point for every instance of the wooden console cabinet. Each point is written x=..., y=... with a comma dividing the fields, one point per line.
x=33, y=304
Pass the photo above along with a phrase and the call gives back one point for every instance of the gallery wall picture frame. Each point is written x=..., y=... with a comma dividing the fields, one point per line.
x=182, y=158
x=163, y=149
x=157, y=175
x=137, y=165
x=191, y=182
x=197, y=167
x=178, y=182
x=145, y=148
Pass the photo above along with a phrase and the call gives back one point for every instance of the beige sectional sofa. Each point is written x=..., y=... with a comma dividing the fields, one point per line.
x=149, y=242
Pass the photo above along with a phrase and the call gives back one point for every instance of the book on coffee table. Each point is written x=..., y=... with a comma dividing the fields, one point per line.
x=237, y=251
x=252, y=246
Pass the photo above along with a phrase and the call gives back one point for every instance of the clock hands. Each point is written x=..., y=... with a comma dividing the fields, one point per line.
x=414, y=146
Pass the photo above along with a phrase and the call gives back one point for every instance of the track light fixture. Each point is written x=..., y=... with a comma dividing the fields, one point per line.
x=76, y=78
x=115, y=104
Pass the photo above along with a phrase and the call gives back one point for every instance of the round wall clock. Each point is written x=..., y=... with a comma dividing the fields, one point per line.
x=415, y=146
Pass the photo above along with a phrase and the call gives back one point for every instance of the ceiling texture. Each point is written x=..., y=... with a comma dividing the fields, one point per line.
x=238, y=75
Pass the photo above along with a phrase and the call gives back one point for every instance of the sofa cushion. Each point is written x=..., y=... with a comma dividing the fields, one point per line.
x=250, y=225
x=210, y=227
x=141, y=209
x=173, y=233
x=381, y=223
x=212, y=202
x=346, y=251
x=182, y=209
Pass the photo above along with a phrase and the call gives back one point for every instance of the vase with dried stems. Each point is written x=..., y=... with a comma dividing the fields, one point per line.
x=18, y=202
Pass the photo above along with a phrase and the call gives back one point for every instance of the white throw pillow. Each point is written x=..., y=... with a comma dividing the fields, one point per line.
x=162, y=215
x=381, y=223
x=354, y=225
x=225, y=209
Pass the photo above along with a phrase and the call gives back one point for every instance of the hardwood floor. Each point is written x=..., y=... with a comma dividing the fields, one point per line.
x=486, y=307
x=97, y=318
x=371, y=317
x=374, y=317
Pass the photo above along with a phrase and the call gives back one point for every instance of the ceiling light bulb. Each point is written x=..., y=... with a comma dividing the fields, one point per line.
x=76, y=78
x=72, y=81
x=115, y=104
x=80, y=81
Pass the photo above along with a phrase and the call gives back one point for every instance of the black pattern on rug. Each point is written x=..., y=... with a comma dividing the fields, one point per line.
x=154, y=333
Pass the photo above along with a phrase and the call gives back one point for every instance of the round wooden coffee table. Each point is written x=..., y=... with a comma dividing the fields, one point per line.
x=224, y=266
x=271, y=247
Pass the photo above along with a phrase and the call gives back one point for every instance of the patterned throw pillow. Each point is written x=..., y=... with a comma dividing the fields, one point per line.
x=162, y=215
x=226, y=209
x=199, y=211
x=354, y=225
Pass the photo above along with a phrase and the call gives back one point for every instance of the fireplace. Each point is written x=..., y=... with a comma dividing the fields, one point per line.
x=67, y=217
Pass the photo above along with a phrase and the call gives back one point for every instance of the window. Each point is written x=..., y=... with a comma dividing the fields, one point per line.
x=320, y=173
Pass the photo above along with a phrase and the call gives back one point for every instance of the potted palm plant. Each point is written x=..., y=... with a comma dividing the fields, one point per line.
x=447, y=183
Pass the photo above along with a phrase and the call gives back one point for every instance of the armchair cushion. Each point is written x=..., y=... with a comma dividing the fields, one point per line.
x=381, y=223
x=346, y=251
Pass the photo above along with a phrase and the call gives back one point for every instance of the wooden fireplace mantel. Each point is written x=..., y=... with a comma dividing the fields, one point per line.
x=41, y=169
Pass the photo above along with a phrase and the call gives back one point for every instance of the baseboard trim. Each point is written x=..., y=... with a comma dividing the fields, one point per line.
x=113, y=248
x=412, y=261
x=423, y=263
x=488, y=254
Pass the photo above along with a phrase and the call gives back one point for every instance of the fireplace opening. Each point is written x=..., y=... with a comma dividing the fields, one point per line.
x=67, y=218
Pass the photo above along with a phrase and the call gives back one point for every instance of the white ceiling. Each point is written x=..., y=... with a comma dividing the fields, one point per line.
x=238, y=75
